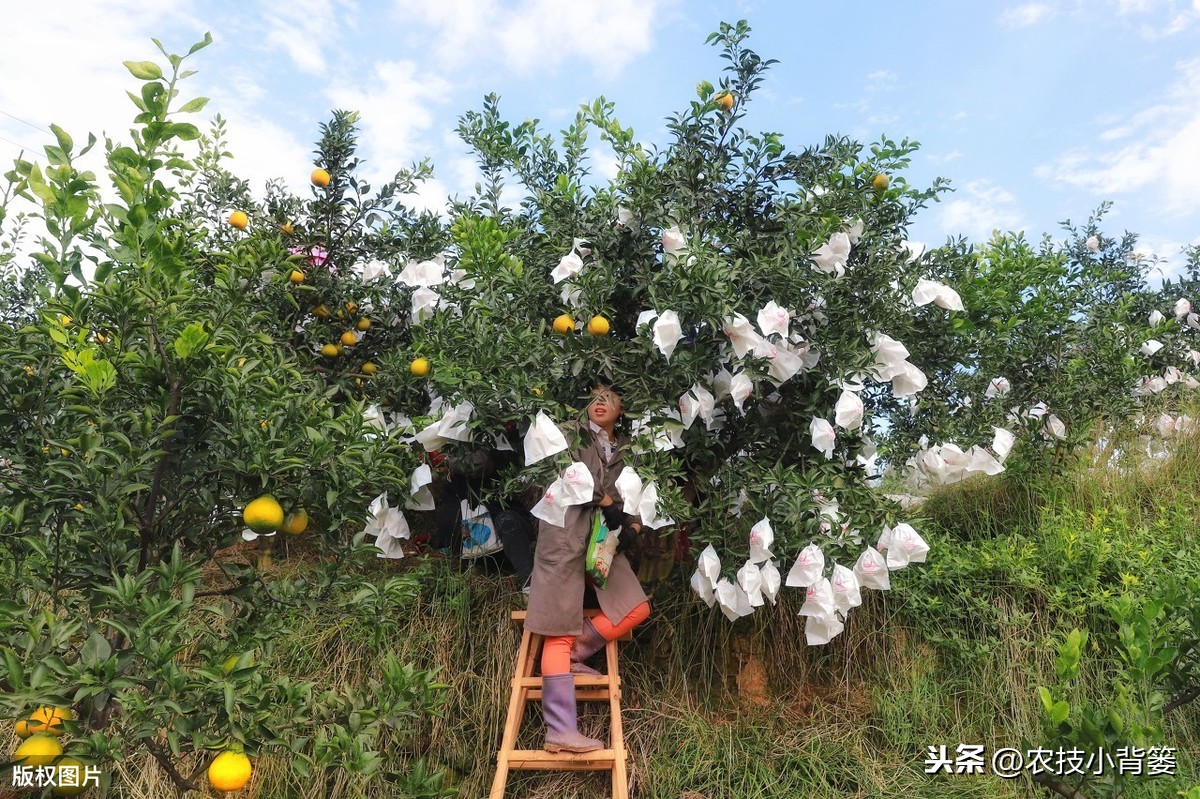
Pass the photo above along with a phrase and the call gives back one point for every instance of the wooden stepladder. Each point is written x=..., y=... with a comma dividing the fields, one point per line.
x=526, y=687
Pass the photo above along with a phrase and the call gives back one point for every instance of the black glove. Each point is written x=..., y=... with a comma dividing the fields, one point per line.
x=613, y=516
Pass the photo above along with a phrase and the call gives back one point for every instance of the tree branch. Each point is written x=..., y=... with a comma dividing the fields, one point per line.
x=1182, y=698
x=181, y=782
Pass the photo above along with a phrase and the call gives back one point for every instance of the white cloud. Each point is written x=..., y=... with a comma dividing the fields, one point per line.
x=395, y=110
x=531, y=36
x=305, y=30
x=978, y=208
x=944, y=158
x=1027, y=14
x=81, y=88
x=1157, y=159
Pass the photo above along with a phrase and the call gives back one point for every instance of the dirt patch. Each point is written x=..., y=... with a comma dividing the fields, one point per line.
x=753, y=687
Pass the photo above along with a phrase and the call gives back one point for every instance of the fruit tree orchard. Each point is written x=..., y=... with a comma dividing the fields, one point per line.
x=182, y=359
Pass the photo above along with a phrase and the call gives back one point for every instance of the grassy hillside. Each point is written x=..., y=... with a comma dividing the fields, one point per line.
x=954, y=654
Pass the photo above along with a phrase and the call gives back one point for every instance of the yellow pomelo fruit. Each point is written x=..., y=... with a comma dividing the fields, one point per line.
x=349, y=338
x=45, y=719
x=38, y=750
x=598, y=326
x=363, y=324
x=263, y=514
x=239, y=220
x=724, y=101
x=369, y=368
x=880, y=183
x=564, y=324
x=229, y=771
x=296, y=276
x=321, y=311
x=76, y=775
x=320, y=178
x=295, y=522
x=331, y=350
x=419, y=367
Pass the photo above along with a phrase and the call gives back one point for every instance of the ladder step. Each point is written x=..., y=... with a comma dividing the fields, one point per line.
x=581, y=694
x=533, y=759
x=581, y=681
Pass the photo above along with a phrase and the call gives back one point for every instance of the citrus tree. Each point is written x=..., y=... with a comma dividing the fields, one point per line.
x=750, y=301
x=160, y=393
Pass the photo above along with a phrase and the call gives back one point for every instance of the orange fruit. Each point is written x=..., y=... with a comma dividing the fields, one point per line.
x=320, y=178
x=598, y=326
x=263, y=515
x=296, y=276
x=101, y=338
x=363, y=324
x=724, y=101
x=321, y=311
x=288, y=228
x=564, y=324
x=38, y=750
x=229, y=771
x=880, y=183
x=419, y=367
x=349, y=338
x=331, y=350
x=69, y=768
x=295, y=523
x=239, y=220
x=369, y=368
x=46, y=720
x=351, y=307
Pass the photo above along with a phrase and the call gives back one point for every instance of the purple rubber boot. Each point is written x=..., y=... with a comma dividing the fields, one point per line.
x=558, y=706
x=587, y=643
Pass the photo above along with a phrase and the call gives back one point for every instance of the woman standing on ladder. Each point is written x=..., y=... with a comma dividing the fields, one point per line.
x=558, y=583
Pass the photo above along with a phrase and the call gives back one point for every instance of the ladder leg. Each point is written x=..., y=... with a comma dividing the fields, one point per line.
x=620, y=779
x=516, y=710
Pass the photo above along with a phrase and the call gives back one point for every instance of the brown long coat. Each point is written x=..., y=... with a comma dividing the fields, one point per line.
x=556, y=590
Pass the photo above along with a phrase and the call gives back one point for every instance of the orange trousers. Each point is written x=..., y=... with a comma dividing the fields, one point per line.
x=556, y=651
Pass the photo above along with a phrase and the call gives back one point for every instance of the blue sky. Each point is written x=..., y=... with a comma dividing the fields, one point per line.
x=1036, y=111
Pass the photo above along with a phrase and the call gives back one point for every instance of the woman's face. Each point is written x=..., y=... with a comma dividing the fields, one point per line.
x=605, y=408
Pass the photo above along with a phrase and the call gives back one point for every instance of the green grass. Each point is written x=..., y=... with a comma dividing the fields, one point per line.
x=954, y=654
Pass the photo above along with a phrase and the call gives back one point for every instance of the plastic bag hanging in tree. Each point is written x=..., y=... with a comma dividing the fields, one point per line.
x=454, y=423
x=818, y=599
x=807, y=569
x=703, y=588
x=543, y=439
x=741, y=335
x=905, y=546
x=848, y=412
x=667, y=332
x=822, y=436
x=872, y=571
x=846, y=593
x=749, y=577
x=773, y=319
x=820, y=630
x=421, y=497
x=762, y=536
x=770, y=580
x=733, y=600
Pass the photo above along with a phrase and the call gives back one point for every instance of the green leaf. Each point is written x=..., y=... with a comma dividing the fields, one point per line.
x=182, y=130
x=96, y=650
x=205, y=42
x=64, y=141
x=193, y=106
x=143, y=70
x=1059, y=711
x=191, y=340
